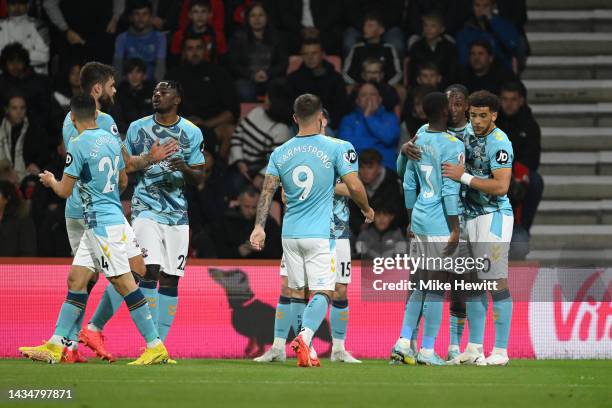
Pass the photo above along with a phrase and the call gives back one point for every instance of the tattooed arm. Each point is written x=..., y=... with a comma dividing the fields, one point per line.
x=258, y=236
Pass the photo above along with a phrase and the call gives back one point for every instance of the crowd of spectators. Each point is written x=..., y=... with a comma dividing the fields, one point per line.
x=241, y=64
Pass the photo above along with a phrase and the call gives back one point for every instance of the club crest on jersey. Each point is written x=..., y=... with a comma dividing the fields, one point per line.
x=202, y=147
x=502, y=157
x=68, y=160
x=350, y=156
x=114, y=129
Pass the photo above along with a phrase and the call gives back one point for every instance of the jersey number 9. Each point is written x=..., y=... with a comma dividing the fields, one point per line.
x=306, y=184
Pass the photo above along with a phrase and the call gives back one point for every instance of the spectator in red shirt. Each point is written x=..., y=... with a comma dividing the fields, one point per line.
x=200, y=13
x=216, y=20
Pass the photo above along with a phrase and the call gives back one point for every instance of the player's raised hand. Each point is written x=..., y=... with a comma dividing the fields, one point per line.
x=411, y=150
x=369, y=215
x=46, y=178
x=258, y=238
x=453, y=171
x=159, y=152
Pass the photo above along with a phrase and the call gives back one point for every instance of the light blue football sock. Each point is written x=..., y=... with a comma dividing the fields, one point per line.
x=168, y=302
x=149, y=291
x=284, y=318
x=476, y=308
x=338, y=319
x=412, y=314
x=432, y=313
x=502, y=316
x=108, y=306
x=141, y=315
x=457, y=324
x=315, y=312
x=71, y=311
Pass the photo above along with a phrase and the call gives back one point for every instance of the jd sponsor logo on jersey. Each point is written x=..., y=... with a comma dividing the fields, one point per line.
x=350, y=156
x=502, y=157
x=68, y=160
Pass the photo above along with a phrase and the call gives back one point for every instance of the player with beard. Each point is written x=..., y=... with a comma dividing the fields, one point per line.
x=159, y=206
x=98, y=80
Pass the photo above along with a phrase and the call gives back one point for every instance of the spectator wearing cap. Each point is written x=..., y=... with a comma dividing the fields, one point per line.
x=381, y=184
x=370, y=126
x=31, y=33
x=133, y=100
x=484, y=72
x=17, y=231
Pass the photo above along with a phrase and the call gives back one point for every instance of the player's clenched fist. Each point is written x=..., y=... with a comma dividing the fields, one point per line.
x=258, y=238
x=46, y=178
x=369, y=215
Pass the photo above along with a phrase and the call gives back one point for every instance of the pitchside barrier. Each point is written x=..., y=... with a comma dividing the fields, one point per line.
x=227, y=308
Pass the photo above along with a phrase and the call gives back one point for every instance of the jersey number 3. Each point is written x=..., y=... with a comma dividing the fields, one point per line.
x=112, y=171
x=306, y=183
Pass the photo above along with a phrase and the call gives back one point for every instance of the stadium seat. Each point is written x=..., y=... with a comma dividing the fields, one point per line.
x=295, y=61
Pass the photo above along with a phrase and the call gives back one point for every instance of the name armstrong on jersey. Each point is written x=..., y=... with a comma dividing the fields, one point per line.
x=320, y=154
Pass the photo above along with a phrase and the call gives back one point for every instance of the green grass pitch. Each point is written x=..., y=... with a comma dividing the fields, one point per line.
x=233, y=383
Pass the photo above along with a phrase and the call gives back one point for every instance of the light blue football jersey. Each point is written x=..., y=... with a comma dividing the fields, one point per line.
x=104, y=121
x=159, y=193
x=308, y=167
x=482, y=156
x=94, y=158
x=429, y=215
x=341, y=212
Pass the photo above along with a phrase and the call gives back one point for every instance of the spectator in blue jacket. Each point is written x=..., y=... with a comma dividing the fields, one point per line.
x=503, y=36
x=370, y=126
x=142, y=41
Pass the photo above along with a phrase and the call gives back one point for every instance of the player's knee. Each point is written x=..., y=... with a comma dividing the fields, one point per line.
x=170, y=281
x=152, y=272
x=137, y=266
x=340, y=294
x=500, y=285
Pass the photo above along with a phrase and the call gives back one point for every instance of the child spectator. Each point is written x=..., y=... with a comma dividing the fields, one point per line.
x=216, y=20
x=142, y=41
x=382, y=238
x=256, y=54
x=372, y=47
x=200, y=13
x=434, y=47
x=429, y=75
x=413, y=114
x=134, y=94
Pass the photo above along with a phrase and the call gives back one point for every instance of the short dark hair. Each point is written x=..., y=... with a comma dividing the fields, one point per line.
x=94, y=73
x=421, y=91
x=434, y=15
x=434, y=104
x=428, y=65
x=140, y=4
x=250, y=190
x=311, y=41
x=306, y=106
x=457, y=88
x=201, y=3
x=514, y=86
x=370, y=156
x=134, y=63
x=172, y=84
x=484, y=99
x=191, y=37
x=484, y=44
x=14, y=52
x=83, y=107
x=371, y=61
x=374, y=16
